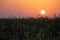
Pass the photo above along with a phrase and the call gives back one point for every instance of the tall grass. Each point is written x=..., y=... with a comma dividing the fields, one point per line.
x=30, y=29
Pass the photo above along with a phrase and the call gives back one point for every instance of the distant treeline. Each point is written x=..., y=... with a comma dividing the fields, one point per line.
x=30, y=28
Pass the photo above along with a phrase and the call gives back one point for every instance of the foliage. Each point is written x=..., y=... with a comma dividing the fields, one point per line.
x=30, y=29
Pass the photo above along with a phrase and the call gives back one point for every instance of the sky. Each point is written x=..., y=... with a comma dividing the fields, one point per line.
x=28, y=8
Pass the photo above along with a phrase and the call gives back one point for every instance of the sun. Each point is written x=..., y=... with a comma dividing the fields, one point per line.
x=42, y=11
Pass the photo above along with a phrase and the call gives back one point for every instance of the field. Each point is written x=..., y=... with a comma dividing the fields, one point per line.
x=30, y=28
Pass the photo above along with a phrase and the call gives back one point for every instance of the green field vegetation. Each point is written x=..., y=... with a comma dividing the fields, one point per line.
x=30, y=29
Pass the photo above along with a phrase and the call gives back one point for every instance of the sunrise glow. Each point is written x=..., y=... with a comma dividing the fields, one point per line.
x=42, y=11
x=31, y=8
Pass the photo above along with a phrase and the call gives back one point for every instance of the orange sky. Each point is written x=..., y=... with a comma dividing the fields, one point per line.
x=31, y=8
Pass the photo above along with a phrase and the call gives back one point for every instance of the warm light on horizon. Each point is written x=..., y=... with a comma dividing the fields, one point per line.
x=31, y=8
x=42, y=11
